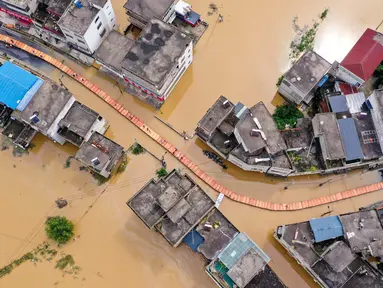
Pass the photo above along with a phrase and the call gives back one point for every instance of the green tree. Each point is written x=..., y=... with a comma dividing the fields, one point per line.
x=59, y=229
x=161, y=172
x=286, y=114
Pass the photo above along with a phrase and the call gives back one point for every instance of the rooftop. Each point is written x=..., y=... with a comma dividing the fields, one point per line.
x=15, y=83
x=332, y=263
x=19, y=3
x=326, y=228
x=265, y=278
x=259, y=118
x=78, y=20
x=299, y=137
x=362, y=228
x=155, y=52
x=368, y=138
x=105, y=150
x=218, y=238
x=58, y=7
x=148, y=9
x=79, y=120
x=307, y=71
x=325, y=127
x=338, y=104
x=214, y=116
x=174, y=205
x=47, y=104
x=113, y=50
x=366, y=55
x=350, y=139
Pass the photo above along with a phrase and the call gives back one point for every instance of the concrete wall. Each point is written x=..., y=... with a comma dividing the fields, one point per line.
x=246, y=166
x=377, y=116
x=91, y=40
x=349, y=77
x=178, y=70
x=52, y=131
x=99, y=126
x=291, y=92
x=32, y=7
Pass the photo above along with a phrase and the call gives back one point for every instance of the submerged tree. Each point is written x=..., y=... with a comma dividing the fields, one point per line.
x=59, y=228
x=286, y=116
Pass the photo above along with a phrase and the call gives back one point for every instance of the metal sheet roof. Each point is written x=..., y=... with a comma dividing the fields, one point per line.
x=237, y=248
x=14, y=84
x=366, y=55
x=355, y=102
x=338, y=104
x=326, y=228
x=350, y=139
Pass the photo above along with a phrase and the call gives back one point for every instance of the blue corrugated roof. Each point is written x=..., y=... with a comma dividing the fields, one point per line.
x=14, y=84
x=350, y=139
x=338, y=104
x=326, y=228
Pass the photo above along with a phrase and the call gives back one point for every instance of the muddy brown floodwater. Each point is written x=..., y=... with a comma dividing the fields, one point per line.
x=240, y=58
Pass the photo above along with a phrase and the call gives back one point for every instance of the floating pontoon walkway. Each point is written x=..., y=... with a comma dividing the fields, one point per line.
x=182, y=157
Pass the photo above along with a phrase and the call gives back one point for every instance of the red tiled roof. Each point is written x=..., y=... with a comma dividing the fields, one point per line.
x=347, y=88
x=366, y=55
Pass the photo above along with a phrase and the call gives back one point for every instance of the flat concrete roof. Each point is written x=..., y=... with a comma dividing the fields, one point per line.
x=299, y=137
x=215, y=240
x=265, y=278
x=79, y=119
x=361, y=228
x=113, y=50
x=187, y=205
x=107, y=151
x=307, y=71
x=155, y=52
x=326, y=127
x=246, y=268
x=48, y=102
x=148, y=9
x=215, y=115
x=58, y=7
x=339, y=256
x=368, y=136
x=19, y=3
x=78, y=20
x=259, y=113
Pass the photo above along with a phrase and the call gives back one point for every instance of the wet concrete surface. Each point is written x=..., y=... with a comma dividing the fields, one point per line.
x=240, y=58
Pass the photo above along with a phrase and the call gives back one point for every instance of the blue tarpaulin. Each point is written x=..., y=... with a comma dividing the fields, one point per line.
x=193, y=239
x=14, y=84
x=326, y=228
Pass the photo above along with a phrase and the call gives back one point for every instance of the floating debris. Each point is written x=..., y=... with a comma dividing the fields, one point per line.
x=61, y=203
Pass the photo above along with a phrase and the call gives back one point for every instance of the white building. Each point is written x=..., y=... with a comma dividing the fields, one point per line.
x=86, y=24
x=158, y=59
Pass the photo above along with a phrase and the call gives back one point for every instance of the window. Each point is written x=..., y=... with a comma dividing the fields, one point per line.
x=99, y=25
x=69, y=36
x=109, y=13
x=114, y=25
x=81, y=41
x=107, y=7
x=111, y=20
x=98, y=17
x=103, y=33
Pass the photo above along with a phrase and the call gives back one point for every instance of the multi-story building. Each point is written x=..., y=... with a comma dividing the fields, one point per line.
x=299, y=82
x=157, y=59
x=20, y=9
x=86, y=24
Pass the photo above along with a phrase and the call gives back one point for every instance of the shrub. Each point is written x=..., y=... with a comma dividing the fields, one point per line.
x=286, y=114
x=137, y=149
x=59, y=229
x=161, y=172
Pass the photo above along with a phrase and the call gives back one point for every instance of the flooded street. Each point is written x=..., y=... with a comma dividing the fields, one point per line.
x=240, y=58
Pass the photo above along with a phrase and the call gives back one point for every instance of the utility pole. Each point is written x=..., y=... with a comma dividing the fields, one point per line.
x=380, y=24
x=327, y=181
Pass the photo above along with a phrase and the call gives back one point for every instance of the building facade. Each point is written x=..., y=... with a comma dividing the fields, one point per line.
x=85, y=27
